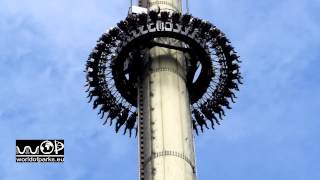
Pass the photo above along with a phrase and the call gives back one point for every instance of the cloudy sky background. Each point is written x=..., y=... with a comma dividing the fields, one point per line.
x=271, y=133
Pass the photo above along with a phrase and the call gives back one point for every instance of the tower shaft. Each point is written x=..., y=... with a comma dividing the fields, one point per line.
x=166, y=143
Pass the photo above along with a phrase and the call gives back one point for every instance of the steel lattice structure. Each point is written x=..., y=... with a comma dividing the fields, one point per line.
x=115, y=66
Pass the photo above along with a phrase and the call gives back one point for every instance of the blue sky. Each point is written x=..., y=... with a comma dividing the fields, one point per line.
x=271, y=133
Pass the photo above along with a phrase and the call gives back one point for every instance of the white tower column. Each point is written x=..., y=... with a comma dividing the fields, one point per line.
x=165, y=128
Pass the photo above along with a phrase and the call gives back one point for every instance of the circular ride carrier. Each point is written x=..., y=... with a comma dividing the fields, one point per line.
x=115, y=67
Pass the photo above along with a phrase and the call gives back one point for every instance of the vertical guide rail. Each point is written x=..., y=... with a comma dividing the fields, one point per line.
x=141, y=132
x=195, y=159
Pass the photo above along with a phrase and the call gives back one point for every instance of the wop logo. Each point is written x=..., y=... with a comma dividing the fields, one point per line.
x=40, y=147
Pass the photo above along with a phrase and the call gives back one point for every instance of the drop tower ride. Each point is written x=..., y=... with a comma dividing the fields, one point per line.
x=165, y=75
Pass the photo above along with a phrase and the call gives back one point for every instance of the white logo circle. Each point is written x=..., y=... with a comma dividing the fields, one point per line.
x=46, y=147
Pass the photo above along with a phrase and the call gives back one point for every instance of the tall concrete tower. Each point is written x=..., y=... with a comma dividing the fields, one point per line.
x=165, y=129
x=164, y=74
